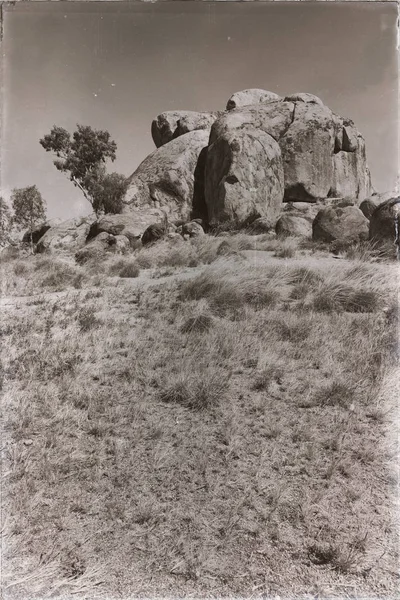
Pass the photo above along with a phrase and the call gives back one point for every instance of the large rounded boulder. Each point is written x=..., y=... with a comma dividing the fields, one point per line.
x=340, y=223
x=171, y=124
x=384, y=225
x=244, y=177
x=251, y=96
x=166, y=179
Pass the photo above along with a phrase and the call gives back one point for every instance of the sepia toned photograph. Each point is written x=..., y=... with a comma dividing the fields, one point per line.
x=199, y=270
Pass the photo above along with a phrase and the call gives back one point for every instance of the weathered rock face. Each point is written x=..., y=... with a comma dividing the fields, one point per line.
x=385, y=221
x=244, y=177
x=351, y=177
x=323, y=154
x=251, y=96
x=171, y=124
x=305, y=210
x=291, y=225
x=307, y=150
x=165, y=180
x=68, y=235
x=340, y=223
x=273, y=118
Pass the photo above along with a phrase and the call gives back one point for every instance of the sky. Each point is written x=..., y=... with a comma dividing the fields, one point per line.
x=117, y=65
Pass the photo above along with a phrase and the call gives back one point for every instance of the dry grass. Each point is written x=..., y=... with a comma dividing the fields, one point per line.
x=215, y=436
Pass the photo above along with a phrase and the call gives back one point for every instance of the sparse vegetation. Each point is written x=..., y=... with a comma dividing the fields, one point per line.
x=124, y=268
x=29, y=208
x=213, y=430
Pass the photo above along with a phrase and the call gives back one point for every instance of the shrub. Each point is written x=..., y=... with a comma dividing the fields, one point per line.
x=20, y=268
x=9, y=254
x=337, y=393
x=365, y=301
x=131, y=269
x=61, y=275
x=286, y=248
x=87, y=319
x=267, y=376
x=233, y=290
x=199, y=323
x=197, y=390
x=331, y=297
x=124, y=268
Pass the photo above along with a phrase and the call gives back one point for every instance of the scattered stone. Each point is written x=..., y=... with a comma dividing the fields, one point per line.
x=337, y=223
x=192, y=229
x=131, y=225
x=153, y=233
x=291, y=225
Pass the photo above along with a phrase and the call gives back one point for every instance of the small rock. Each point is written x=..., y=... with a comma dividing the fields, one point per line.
x=192, y=229
x=153, y=233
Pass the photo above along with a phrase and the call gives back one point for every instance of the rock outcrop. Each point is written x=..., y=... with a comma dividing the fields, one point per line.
x=322, y=154
x=165, y=180
x=384, y=225
x=69, y=235
x=131, y=225
x=340, y=223
x=39, y=231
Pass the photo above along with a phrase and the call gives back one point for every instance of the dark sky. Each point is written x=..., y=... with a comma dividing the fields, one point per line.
x=116, y=66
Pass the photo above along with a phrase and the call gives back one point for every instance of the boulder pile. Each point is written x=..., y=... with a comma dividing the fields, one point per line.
x=245, y=162
x=265, y=162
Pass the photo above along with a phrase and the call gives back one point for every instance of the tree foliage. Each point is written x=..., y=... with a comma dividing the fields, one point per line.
x=83, y=157
x=5, y=221
x=29, y=207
